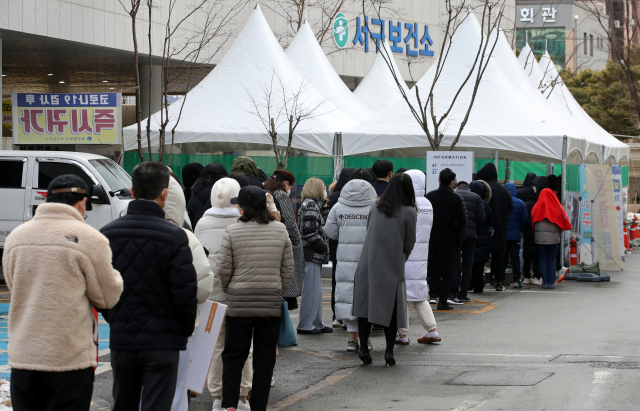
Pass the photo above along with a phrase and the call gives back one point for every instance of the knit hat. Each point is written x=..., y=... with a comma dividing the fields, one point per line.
x=223, y=191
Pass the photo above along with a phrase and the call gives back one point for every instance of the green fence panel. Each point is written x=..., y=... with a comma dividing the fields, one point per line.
x=573, y=177
x=302, y=167
x=411, y=163
x=625, y=176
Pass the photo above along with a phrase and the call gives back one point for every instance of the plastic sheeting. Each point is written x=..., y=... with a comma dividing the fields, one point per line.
x=219, y=109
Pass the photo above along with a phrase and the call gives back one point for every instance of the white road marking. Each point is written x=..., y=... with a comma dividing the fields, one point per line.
x=103, y=367
x=470, y=405
x=104, y=352
x=600, y=376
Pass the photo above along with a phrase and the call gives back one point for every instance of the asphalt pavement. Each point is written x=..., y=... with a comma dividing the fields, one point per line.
x=572, y=348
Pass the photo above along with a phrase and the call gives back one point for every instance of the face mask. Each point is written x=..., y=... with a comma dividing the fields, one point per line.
x=288, y=192
x=325, y=194
x=535, y=190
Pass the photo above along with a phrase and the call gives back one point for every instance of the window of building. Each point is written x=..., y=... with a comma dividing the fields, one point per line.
x=11, y=173
x=553, y=37
x=585, y=44
x=48, y=171
x=591, y=45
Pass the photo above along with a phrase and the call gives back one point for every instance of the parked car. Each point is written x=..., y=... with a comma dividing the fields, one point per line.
x=25, y=176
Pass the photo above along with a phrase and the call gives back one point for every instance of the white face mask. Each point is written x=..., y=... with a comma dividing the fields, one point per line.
x=288, y=192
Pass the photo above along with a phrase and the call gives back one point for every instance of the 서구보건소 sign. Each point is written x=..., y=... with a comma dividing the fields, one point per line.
x=67, y=118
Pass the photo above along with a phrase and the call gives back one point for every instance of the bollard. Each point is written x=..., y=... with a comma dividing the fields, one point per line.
x=627, y=245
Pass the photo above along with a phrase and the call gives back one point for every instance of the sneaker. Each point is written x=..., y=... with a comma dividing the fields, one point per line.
x=343, y=326
x=326, y=330
x=444, y=307
x=336, y=323
x=217, y=405
x=551, y=286
x=369, y=345
x=273, y=381
x=517, y=284
x=353, y=346
x=229, y=409
x=537, y=281
x=243, y=406
x=499, y=287
x=454, y=301
x=527, y=281
x=432, y=300
x=464, y=299
x=314, y=331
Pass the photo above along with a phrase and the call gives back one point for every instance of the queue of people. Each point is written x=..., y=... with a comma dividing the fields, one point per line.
x=234, y=238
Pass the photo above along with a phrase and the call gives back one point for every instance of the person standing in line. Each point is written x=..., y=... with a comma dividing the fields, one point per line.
x=347, y=224
x=210, y=231
x=518, y=219
x=549, y=221
x=316, y=252
x=464, y=265
x=379, y=288
x=248, y=167
x=201, y=191
x=57, y=269
x=416, y=266
x=447, y=234
x=254, y=265
x=527, y=191
x=530, y=249
x=175, y=211
x=332, y=200
x=157, y=311
x=484, y=229
x=383, y=169
x=501, y=206
x=190, y=173
x=280, y=185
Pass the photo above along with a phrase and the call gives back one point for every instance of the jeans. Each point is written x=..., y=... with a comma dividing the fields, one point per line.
x=155, y=370
x=513, y=251
x=214, y=379
x=51, y=391
x=425, y=314
x=240, y=331
x=548, y=263
x=311, y=305
x=462, y=274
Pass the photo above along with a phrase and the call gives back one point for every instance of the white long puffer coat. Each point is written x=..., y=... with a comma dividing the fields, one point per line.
x=347, y=223
x=416, y=266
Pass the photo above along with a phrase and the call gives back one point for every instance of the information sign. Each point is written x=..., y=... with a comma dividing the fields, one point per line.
x=460, y=162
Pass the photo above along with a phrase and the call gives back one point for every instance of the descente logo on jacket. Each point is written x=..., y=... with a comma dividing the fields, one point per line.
x=425, y=211
x=353, y=216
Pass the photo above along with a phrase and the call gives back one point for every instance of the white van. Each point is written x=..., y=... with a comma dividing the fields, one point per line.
x=25, y=176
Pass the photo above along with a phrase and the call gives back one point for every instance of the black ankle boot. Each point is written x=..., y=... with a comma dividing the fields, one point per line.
x=388, y=358
x=364, y=355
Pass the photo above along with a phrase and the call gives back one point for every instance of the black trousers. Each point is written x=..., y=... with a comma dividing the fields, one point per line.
x=364, y=329
x=144, y=380
x=477, y=277
x=513, y=251
x=462, y=273
x=497, y=266
x=240, y=330
x=51, y=391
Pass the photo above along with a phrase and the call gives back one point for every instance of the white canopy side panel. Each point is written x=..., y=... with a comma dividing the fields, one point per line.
x=378, y=89
x=307, y=56
x=502, y=117
x=218, y=109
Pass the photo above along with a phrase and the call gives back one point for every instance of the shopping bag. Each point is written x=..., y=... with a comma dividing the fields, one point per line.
x=287, y=333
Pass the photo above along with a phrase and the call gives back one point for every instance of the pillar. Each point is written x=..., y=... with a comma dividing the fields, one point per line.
x=0, y=69
x=155, y=71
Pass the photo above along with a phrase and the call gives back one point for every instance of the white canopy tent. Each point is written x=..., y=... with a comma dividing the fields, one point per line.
x=219, y=109
x=503, y=118
x=378, y=89
x=307, y=56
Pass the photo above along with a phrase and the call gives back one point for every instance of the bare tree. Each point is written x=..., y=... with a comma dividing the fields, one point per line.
x=423, y=109
x=620, y=28
x=133, y=13
x=283, y=104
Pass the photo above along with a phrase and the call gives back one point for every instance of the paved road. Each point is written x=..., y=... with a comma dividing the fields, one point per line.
x=575, y=348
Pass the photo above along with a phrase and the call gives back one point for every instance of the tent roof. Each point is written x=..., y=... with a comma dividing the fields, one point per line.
x=307, y=56
x=378, y=89
x=502, y=117
x=219, y=108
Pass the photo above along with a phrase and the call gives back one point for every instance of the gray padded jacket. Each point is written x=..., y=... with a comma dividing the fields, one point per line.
x=254, y=266
x=347, y=223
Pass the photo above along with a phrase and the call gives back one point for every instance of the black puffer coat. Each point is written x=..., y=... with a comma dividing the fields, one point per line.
x=190, y=173
x=200, y=196
x=157, y=308
x=540, y=183
x=475, y=210
x=482, y=252
x=332, y=199
x=501, y=206
x=526, y=192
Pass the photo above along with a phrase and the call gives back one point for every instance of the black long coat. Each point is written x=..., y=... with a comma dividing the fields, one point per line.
x=448, y=230
x=501, y=206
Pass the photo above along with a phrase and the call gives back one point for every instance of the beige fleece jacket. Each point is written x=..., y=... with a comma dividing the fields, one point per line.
x=57, y=269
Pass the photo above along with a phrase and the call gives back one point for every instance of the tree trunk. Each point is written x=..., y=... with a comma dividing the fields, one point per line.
x=137, y=71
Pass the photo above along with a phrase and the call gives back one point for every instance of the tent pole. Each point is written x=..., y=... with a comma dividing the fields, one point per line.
x=563, y=193
x=507, y=171
x=497, y=164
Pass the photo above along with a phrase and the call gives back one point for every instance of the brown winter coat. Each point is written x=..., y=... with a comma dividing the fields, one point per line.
x=57, y=268
x=254, y=266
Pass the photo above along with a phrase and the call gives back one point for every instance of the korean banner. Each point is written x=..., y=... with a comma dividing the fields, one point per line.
x=604, y=216
x=616, y=171
x=59, y=118
x=585, y=220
